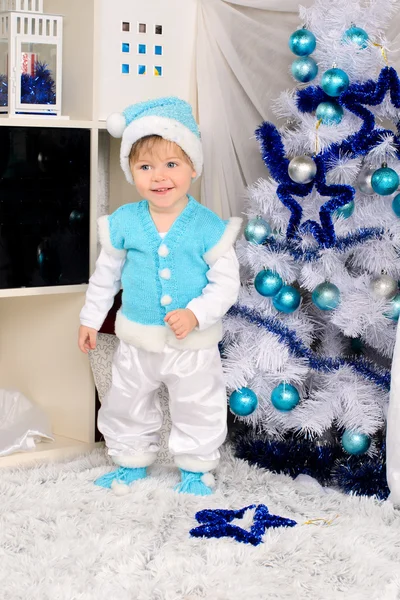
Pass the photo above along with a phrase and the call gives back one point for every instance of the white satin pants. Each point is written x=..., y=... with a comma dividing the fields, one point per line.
x=130, y=417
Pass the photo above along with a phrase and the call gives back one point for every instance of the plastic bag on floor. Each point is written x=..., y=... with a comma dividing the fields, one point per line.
x=22, y=424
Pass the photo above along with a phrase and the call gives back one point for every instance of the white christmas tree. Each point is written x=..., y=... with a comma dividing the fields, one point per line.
x=307, y=349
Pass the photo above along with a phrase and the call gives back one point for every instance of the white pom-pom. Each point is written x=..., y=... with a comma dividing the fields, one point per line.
x=116, y=124
x=208, y=479
x=119, y=489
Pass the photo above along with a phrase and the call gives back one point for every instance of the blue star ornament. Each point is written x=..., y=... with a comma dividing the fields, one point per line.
x=218, y=523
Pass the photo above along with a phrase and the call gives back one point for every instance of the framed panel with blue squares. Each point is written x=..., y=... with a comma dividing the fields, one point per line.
x=125, y=69
x=126, y=47
x=158, y=71
x=142, y=49
x=158, y=50
x=142, y=69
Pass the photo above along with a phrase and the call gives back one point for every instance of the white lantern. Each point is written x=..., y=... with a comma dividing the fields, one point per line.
x=30, y=59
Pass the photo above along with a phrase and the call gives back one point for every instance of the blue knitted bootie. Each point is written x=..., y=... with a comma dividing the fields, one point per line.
x=121, y=478
x=198, y=484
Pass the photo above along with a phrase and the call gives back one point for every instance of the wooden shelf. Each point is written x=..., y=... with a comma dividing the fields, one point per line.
x=61, y=448
x=46, y=121
x=43, y=291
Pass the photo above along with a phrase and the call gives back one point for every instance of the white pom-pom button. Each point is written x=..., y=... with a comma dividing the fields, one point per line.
x=208, y=479
x=116, y=124
x=163, y=250
x=165, y=274
x=119, y=488
x=165, y=300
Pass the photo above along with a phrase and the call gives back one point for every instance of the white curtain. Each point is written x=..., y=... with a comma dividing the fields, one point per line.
x=243, y=63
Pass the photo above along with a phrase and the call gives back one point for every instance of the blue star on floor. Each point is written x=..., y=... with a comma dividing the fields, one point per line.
x=217, y=523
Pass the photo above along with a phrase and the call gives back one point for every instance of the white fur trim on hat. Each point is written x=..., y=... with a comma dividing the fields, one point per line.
x=169, y=129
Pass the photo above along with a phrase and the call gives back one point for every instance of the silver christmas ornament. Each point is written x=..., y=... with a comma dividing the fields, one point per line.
x=302, y=169
x=364, y=180
x=383, y=286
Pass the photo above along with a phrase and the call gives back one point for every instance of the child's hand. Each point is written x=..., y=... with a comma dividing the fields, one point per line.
x=87, y=338
x=182, y=322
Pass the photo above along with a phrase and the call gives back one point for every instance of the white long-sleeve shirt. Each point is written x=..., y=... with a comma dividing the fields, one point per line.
x=217, y=297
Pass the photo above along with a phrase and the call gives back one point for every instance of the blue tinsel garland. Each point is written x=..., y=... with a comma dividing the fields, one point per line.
x=360, y=143
x=363, y=475
x=378, y=376
x=290, y=456
x=37, y=89
x=359, y=475
x=343, y=244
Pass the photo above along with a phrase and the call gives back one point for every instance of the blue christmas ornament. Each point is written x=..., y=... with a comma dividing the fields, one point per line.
x=396, y=205
x=243, y=402
x=334, y=82
x=285, y=397
x=356, y=35
x=346, y=210
x=304, y=69
x=326, y=296
x=268, y=283
x=394, y=312
x=287, y=300
x=355, y=442
x=302, y=42
x=257, y=231
x=385, y=181
x=329, y=113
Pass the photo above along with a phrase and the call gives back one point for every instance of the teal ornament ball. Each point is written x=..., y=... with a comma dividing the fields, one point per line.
x=385, y=181
x=394, y=312
x=346, y=210
x=257, y=231
x=304, y=69
x=287, y=300
x=334, y=82
x=356, y=35
x=329, y=113
x=355, y=442
x=285, y=397
x=356, y=345
x=396, y=205
x=302, y=42
x=326, y=296
x=243, y=402
x=268, y=283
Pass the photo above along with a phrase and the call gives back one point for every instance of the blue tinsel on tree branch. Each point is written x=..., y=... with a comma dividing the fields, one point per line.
x=358, y=144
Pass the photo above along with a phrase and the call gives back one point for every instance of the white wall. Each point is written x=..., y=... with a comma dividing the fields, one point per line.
x=178, y=19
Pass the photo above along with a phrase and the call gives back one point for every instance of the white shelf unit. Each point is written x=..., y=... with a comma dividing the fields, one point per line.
x=38, y=326
x=60, y=448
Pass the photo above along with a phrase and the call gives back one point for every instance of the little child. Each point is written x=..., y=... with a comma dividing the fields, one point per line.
x=175, y=262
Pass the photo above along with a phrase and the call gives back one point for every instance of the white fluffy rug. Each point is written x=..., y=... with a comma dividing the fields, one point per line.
x=62, y=538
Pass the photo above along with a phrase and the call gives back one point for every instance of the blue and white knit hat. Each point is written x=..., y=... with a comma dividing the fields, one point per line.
x=170, y=118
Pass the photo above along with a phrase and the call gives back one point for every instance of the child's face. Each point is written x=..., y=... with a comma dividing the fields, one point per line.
x=162, y=175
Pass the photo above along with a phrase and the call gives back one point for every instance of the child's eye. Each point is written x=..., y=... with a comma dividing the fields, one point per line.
x=145, y=167
x=171, y=165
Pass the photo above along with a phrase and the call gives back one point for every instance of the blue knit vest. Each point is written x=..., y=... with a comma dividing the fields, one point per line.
x=148, y=295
